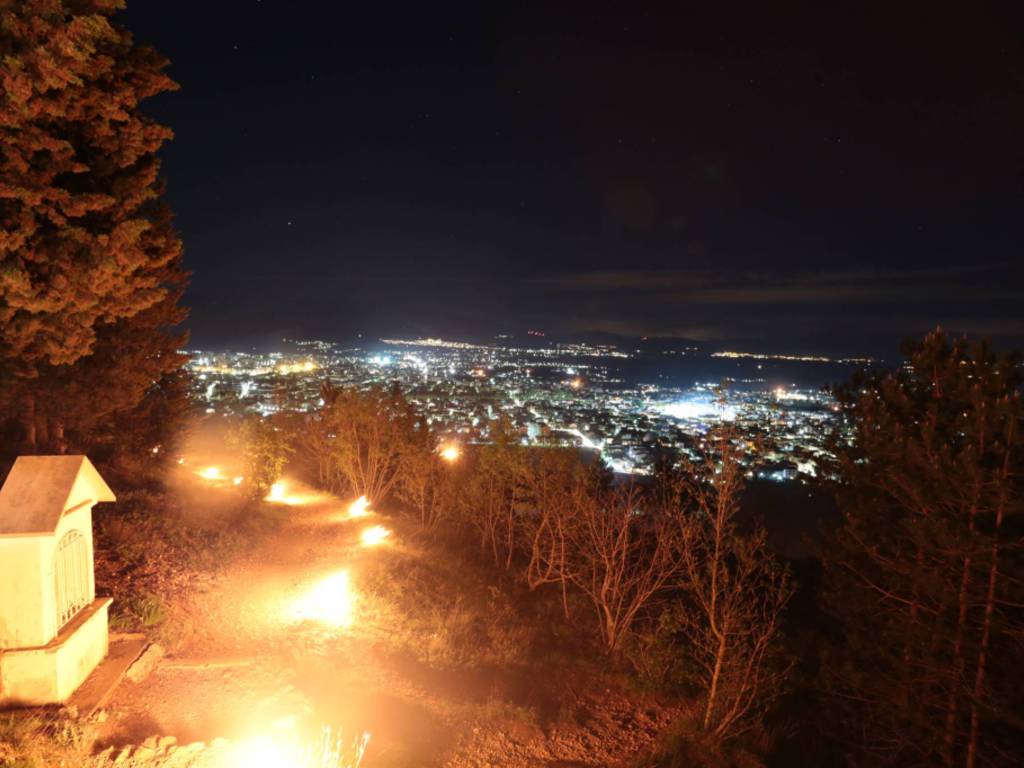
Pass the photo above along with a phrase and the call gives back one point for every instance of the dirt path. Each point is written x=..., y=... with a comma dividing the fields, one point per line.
x=254, y=656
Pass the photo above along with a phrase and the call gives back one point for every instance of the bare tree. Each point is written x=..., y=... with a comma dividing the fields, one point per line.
x=621, y=556
x=735, y=594
x=550, y=479
x=316, y=443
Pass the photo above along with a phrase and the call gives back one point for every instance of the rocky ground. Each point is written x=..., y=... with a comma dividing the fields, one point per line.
x=249, y=658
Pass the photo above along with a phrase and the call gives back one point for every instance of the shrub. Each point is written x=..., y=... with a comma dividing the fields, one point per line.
x=265, y=451
x=444, y=614
x=141, y=611
x=42, y=738
x=657, y=652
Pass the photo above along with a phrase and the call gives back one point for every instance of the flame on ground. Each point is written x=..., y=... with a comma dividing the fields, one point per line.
x=330, y=601
x=280, y=494
x=450, y=452
x=210, y=473
x=359, y=508
x=374, y=535
x=277, y=492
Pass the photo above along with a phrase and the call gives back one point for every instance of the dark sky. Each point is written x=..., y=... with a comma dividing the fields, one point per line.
x=815, y=176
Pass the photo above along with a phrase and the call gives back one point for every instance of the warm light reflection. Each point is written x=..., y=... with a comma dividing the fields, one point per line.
x=374, y=535
x=210, y=473
x=330, y=601
x=450, y=452
x=285, y=749
x=265, y=752
x=359, y=508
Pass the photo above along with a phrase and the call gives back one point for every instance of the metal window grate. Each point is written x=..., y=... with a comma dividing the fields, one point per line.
x=72, y=570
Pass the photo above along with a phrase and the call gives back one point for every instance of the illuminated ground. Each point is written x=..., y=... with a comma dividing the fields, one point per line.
x=276, y=641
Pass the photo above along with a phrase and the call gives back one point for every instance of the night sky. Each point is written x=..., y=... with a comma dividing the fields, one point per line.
x=805, y=177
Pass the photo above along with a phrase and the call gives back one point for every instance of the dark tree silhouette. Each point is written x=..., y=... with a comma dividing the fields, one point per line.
x=925, y=571
x=90, y=266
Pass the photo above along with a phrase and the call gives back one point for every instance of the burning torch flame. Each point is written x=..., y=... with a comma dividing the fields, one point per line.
x=280, y=494
x=450, y=453
x=359, y=508
x=374, y=535
x=210, y=473
x=277, y=492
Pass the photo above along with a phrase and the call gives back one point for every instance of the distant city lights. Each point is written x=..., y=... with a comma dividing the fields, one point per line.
x=795, y=358
x=306, y=366
x=583, y=395
x=698, y=410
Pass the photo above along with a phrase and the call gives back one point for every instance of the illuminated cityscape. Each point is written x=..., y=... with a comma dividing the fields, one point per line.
x=511, y=385
x=590, y=396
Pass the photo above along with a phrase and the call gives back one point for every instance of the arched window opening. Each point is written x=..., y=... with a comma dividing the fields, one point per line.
x=72, y=570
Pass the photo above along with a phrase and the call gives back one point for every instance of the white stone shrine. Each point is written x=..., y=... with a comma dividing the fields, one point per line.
x=53, y=630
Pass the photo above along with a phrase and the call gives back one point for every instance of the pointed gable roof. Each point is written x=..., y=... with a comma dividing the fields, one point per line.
x=40, y=489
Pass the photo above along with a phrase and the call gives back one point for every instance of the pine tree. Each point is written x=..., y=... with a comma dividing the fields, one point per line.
x=925, y=572
x=90, y=266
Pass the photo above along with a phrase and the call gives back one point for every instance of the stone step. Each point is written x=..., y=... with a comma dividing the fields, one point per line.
x=97, y=688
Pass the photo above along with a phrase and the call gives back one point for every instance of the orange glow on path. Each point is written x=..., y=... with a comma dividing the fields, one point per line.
x=265, y=752
x=330, y=601
x=284, y=749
